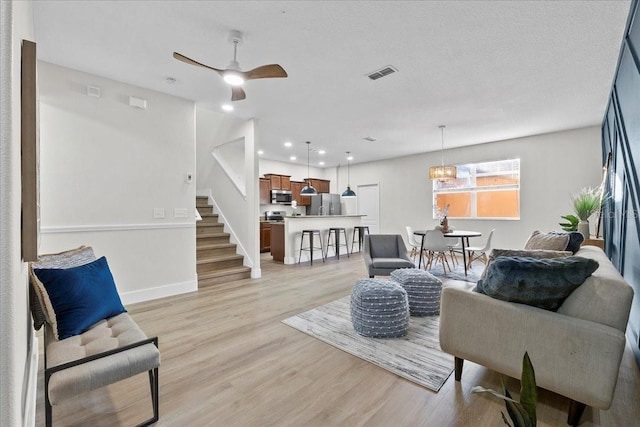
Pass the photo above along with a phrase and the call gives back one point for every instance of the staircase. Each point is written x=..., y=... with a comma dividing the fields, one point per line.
x=216, y=258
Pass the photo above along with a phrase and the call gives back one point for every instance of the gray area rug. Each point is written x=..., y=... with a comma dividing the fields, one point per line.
x=457, y=271
x=416, y=357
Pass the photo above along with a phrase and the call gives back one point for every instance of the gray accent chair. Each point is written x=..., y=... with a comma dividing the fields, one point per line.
x=384, y=253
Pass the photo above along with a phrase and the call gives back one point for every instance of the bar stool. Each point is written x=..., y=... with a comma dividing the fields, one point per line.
x=361, y=232
x=310, y=234
x=336, y=241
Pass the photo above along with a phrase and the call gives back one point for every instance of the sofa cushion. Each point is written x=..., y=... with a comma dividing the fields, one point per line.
x=537, y=254
x=40, y=305
x=548, y=241
x=543, y=283
x=81, y=296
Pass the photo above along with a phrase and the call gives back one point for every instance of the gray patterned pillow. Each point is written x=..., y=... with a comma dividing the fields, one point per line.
x=548, y=241
x=543, y=283
x=39, y=302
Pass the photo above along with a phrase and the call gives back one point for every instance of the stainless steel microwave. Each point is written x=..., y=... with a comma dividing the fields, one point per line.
x=281, y=197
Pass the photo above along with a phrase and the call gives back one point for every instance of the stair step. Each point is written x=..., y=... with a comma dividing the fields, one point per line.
x=213, y=227
x=217, y=263
x=213, y=250
x=211, y=238
x=223, y=276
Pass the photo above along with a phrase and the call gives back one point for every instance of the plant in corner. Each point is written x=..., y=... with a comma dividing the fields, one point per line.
x=586, y=203
x=523, y=413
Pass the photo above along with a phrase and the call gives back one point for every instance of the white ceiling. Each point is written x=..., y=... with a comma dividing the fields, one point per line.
x=489, y=70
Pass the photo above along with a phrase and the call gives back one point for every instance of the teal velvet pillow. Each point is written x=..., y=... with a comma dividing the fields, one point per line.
x=81, y=296
x=543, y=283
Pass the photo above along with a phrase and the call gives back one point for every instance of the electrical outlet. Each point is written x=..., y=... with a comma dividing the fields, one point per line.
x=180, y=213
x=158, y=213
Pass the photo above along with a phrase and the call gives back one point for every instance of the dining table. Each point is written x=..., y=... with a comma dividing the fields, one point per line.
x=464, y=240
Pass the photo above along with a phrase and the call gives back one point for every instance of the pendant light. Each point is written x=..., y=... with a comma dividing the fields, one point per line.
x=308, y=189
x=348, y=193
x=442, y=172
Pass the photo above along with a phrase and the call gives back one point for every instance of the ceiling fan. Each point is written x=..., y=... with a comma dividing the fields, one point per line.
x=232, y=74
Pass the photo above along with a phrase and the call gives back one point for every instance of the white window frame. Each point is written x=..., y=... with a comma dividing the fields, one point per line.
x=473, y=189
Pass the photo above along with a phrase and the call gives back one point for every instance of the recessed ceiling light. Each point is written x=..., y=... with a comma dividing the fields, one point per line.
x=321, y=152
x=170, y=80
x=227, y=107
x=349, y=157
x=369, y=138
x=292, y=158
x=287, y=144
x=261, y=152
x=321, y=163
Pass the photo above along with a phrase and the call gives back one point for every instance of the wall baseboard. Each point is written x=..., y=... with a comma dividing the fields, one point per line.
x=159, y=292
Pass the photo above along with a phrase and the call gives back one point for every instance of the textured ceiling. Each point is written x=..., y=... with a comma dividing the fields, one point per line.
x=489, y=70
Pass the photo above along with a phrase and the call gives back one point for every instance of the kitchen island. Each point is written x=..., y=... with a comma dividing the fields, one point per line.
x=285, y=239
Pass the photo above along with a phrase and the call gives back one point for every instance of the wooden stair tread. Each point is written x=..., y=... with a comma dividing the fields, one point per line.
x=203, y=235
x=224, y=272
x=219, y=258
x=215, y=245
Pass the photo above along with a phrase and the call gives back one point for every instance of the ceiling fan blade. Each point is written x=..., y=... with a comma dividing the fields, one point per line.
x=265, y=72
x=237, y=94
x=183, y=58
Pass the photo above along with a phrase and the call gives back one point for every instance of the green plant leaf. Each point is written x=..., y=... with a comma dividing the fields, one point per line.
x=571, y=218
x=504, y=419
x=528, y=389
x=479, y=389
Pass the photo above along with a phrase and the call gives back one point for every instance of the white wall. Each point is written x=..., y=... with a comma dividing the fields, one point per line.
x=237, y=209
x=105, y=167
x=17, y=361
x=552, y=167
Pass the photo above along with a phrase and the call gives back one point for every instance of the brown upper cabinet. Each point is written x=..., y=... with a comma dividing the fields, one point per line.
x=279, y=182
x=321, y=185
x=265, y=194
x=296, y=188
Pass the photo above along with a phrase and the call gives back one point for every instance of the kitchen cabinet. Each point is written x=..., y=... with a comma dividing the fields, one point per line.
x=279, y=182
x=277, y=247
x=321, y=185
x=296, y=188
x=265, y=191
x=265, y=237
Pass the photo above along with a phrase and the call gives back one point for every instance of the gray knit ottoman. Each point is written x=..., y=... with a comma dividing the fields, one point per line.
x=379, y=308
x=423, y=290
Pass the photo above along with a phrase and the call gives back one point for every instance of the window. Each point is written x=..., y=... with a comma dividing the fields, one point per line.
x=488, y=190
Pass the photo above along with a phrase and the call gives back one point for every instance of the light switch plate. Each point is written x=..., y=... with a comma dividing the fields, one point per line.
x=158, y=213
x=180, y=213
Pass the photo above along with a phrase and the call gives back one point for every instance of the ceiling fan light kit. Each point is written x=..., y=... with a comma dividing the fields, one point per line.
x=442, y=172
x=233, y=75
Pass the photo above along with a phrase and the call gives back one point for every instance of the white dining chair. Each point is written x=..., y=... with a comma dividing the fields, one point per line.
x=436, y=246
x=413, y=242
x=479, y=252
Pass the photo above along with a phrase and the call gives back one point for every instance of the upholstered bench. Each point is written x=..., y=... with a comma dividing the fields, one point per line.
x=112, y=350
x=89, y=339
x=423, y=290
x=379, y=309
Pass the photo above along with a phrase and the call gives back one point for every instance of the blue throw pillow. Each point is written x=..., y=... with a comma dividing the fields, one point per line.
x=543, y=283
x=81, y=296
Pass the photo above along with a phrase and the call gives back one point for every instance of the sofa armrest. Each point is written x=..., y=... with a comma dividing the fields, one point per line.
x=576, y=358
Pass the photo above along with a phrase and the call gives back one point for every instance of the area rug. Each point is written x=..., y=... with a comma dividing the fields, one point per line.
x=457, y=272
x=416, y=357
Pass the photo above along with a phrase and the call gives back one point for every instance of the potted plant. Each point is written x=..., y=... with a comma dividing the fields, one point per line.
x=522, y=413
x=571, y=224
x=585, y=203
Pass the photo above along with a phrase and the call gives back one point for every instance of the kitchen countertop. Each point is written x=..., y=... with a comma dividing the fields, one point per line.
x=322, y=216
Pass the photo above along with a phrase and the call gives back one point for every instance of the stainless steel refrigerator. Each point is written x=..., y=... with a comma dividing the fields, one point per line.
x=325, y=204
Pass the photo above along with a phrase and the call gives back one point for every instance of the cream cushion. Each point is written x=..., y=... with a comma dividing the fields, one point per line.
x=115, y=332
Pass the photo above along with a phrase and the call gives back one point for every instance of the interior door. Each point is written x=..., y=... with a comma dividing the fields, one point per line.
x=369, y=205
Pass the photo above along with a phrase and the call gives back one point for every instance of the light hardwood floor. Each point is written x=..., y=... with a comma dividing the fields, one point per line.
x=227, y=360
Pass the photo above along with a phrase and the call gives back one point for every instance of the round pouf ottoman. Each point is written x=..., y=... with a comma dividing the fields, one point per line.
x=379, y=309
x=423, y=290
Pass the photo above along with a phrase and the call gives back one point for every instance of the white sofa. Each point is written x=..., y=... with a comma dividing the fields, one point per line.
x=576, y=351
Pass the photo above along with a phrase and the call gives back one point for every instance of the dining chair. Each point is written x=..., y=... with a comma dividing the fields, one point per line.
x=436, y=246
x=454, y=247
x=413, y=242
x=479, y=252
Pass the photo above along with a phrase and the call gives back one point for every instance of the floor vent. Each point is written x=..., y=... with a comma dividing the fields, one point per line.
x=382, y=72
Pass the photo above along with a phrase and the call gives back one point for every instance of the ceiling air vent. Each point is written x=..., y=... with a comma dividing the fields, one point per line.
x=382, y=72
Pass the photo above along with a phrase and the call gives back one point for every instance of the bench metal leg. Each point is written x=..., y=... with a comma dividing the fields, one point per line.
x=155, y=401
